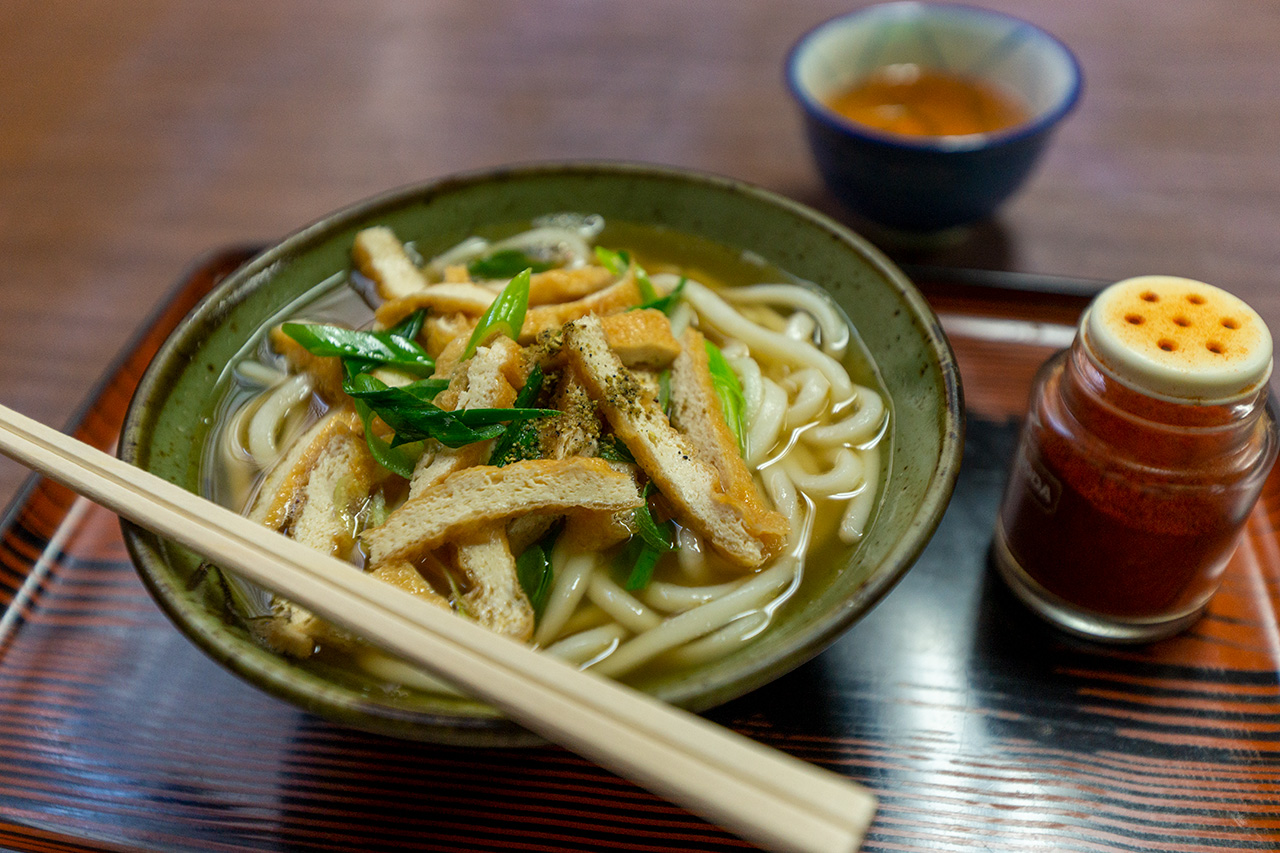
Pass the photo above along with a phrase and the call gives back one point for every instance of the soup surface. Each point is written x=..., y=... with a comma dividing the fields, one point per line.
x=624, y=446
x=910, y=100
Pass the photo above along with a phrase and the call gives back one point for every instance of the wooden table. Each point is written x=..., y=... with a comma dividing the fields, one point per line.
x=132, y=141
x=135, y=138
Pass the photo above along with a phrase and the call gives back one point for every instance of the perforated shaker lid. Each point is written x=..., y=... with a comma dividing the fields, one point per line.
x=1178, y=339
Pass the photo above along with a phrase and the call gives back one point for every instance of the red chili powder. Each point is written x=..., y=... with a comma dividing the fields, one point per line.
x=1121, y=517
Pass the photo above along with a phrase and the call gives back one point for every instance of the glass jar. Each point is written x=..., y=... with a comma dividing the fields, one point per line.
x=1145, y=448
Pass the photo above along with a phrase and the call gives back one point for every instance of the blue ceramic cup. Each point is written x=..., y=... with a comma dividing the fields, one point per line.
x=929, y=183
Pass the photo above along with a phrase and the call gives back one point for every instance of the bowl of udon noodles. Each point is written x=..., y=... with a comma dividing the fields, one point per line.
x=668, y=427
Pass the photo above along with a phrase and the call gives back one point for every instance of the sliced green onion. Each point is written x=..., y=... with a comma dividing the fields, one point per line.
x=520, y=441
x=410, y=326
x=617, y=262
x=729, y=390
x=367, y=349
x=414, y=418
x=664, y=392
x=648, y=293
x=535, y=572
x=651, y=541
x=374, y=512
x=455, y=595
x=408, y=409
x=381, y=394
x=665, y=304
x=488, y=417
x=395, y=460
x=504, y=263
x=656, y=536
x=614, y=262
x=505, y=315
x=642, y=573
x=412, y=424
x=610, y=449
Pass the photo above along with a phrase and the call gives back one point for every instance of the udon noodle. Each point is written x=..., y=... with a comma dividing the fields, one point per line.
x=666, y=524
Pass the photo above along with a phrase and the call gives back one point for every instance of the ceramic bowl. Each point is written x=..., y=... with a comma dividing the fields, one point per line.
x=169, y=416
x=919, y=183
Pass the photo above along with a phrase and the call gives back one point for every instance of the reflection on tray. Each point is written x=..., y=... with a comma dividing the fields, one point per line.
x=1005, y=331
x=974, y=723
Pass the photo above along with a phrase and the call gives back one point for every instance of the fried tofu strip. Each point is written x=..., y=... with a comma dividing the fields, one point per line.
x=668, y=457
x=641, y=338
x=313, y=495
x=525, y=530
x=405, y=575
x=470, y=499
x=620, y=296
x=583, y=531
x=456, y=273
x=326, y=373
x=553, y=288
x=296, y=632
x=555, y=285
x=696, y=412
x=576, y=430
x=567, y=285
x=496, y=599
x=380, y=255
x=487, y=381
x=463, y=303
x=595, y=531
x=441, y=330
x=299, y=495
x=472, y=300
x=462, y=297
x=451, y=355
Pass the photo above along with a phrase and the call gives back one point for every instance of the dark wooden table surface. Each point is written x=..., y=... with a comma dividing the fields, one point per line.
x=136, y=137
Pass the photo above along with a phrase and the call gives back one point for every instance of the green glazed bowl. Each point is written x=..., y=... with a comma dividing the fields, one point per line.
x=168, y=419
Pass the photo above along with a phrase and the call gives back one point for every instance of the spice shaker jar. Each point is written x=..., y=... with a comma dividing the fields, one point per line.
x=1144, y=450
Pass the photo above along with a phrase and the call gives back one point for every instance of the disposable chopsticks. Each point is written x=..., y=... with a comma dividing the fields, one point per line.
x=760, y=794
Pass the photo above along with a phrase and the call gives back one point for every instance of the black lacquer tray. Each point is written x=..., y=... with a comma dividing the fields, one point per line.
x=978, y=727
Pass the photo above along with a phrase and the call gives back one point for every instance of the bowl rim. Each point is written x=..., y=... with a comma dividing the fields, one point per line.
x=817, y=111
x=275, y=676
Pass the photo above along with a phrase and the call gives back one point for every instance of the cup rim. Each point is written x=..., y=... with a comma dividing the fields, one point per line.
x=817, y=111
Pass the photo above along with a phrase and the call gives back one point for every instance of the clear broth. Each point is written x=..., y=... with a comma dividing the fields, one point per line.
x=658, y=250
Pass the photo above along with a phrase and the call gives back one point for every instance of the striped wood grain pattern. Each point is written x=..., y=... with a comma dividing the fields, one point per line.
x=976, y=726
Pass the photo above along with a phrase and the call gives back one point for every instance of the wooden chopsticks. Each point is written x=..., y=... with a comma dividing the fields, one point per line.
x=760, y=794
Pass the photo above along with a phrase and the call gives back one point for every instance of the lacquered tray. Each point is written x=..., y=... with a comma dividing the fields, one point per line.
x=978, y=727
